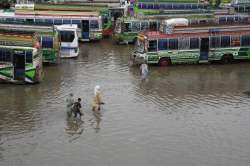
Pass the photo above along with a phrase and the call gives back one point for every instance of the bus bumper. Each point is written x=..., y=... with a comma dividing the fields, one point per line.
x=96, y=36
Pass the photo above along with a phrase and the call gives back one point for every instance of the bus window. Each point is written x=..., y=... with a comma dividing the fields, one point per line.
x=28, y=56
x=67, y=36
x=235, y=41
x=49, y=21
x=144, y=26
x=225, y=41
x=152, y=46
x=31, y=21
x=77, y=22
x=162, y=44
x=40, y=21
x=215, y=42
x=58, y=22
x=10, y=19
x=245, y=40
x=173, y=44
x=183, y=43
x=94, y=24
x=127, y=27
x=66, y=21
x=194, y=43
x=20, y=20
x=47, y=42
x=135, y=26
x=5, y=55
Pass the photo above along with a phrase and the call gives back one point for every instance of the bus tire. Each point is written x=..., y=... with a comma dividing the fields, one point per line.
x=227, y=59
x=165, y=62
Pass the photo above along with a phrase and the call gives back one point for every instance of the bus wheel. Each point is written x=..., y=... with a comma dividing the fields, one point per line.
x=165, y=62
x=227, y=58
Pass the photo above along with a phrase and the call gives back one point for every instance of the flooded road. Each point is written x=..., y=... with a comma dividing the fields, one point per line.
x=190, y=115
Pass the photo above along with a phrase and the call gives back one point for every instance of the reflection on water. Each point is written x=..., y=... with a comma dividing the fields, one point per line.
x=181, y=115
x=74, y=128
x=95, y=121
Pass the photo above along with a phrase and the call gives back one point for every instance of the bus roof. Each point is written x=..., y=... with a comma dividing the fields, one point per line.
x=18, y=47
x=58, y=13
x=27, y=28
x=169, y=1
x=209, y=31
x=29, y=15
x=70, y=7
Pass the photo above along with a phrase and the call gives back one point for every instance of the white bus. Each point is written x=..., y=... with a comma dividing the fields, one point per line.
x=89, y=23
x=69, y=40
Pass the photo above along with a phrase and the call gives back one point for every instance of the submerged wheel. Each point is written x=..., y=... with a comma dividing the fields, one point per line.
x=165, y=62
x=227, y=59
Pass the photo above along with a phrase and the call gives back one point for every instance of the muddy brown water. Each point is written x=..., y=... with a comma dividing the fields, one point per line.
x=182, y=115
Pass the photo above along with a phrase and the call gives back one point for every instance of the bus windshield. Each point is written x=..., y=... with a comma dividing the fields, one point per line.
x=118, y=26
x=140, y=46
x=67, y=36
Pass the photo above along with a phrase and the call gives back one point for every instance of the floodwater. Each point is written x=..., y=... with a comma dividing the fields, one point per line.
x=185, y=115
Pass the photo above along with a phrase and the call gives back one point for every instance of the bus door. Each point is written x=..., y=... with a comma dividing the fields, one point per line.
x=19, y=65
x=204, y=50
x=85, y=30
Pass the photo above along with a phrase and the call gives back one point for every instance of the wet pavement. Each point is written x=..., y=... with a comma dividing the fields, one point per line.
x=182, y=115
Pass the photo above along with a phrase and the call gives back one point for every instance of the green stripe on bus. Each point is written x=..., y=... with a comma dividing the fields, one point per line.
x=7, y=72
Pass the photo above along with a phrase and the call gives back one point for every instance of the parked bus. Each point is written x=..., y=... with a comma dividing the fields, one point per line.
x=69, y=40
x=89, y=23
x=48, y=37
x=127, y=29
x=20, y=58
x=106, y=11
x=194, y=45
x=241, y=5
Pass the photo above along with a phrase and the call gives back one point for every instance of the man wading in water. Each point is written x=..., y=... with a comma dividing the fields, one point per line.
x=77, y=108
x=97, y=102
x=70, y=103
x=96, y=106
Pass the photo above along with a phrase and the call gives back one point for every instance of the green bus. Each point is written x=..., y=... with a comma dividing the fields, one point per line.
x=20, y=64
x=127, y=28
x=194, y=45
x=47, y=36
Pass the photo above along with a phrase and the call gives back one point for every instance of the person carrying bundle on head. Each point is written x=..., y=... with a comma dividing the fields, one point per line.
x=97, y=101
